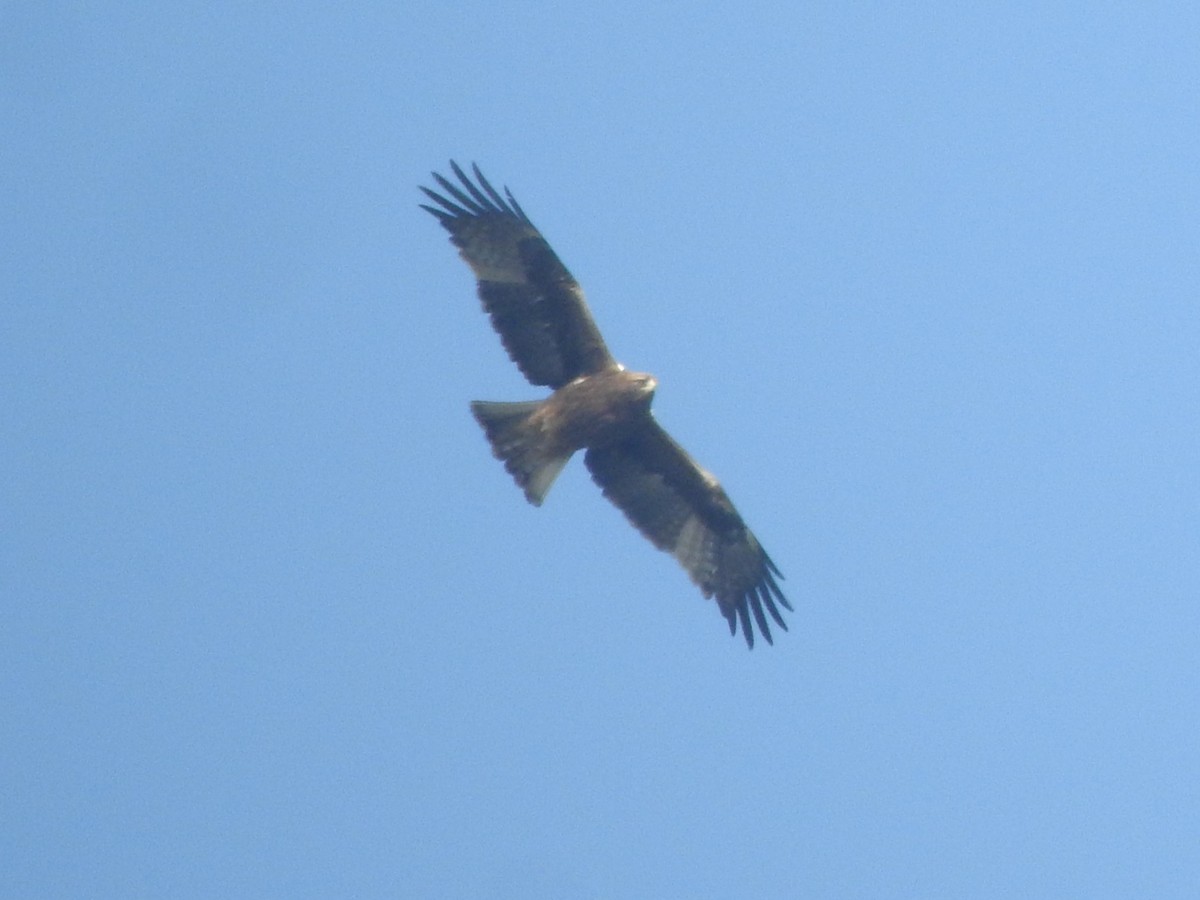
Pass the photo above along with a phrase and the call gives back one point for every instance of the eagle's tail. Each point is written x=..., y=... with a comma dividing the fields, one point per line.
x=520, y=445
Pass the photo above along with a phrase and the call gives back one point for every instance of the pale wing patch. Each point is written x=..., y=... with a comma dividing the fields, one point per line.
x=492, y=253
x=695, y=548
x=495, y=274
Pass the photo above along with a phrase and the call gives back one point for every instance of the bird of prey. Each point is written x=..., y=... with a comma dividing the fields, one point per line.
x=597, y=405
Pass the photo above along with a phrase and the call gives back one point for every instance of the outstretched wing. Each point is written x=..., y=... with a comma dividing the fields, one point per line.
x=535, y=304
x=683, y=509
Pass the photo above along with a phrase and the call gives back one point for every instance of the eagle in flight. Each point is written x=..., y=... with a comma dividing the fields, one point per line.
x=597, y=406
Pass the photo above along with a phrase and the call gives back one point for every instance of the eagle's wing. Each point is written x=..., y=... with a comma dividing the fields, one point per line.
x=682, y=509
x=535, y=304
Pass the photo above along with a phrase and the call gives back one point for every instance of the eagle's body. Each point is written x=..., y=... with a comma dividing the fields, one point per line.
x=597, y=406
x=536, y=439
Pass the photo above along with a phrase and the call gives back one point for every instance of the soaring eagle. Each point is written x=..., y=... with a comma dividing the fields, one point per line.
x=599, y=406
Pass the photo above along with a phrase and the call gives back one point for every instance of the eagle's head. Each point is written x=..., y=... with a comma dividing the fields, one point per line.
x=646, y=383
x=635, y=390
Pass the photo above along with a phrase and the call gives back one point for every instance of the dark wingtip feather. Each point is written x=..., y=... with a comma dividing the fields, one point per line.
x=470, y=198
x=441, y=215
x=516, y=207
x=751, y=607
x=770, y=573
x=744, y=616
x=730, y=615
x=510, y=206
x=469, y=205
x=449, y=210
x=457, y=170
x=769, y=602
x=752, y=600
x=485, y=202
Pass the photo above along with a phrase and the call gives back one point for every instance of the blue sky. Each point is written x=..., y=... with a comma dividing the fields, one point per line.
x=919, y=285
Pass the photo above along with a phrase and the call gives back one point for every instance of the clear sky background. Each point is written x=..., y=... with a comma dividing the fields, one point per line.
x=921, y=286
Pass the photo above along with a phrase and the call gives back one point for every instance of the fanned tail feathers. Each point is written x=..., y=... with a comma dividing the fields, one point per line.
x=520, y=445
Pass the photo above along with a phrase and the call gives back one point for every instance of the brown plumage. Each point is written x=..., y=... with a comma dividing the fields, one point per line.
x=597, y=406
